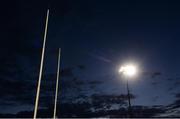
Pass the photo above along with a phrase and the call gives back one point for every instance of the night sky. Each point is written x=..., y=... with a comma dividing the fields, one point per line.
x=96, y=37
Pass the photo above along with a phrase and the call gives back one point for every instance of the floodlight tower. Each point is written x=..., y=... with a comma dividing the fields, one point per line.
x=128, y=71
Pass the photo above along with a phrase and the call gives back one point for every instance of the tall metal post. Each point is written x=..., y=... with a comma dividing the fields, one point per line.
x=41, y=67
x=57, y=83
x=129, y=101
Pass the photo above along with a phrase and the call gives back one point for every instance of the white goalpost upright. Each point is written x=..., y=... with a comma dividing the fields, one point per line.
x=41, y=67
x=57, y=83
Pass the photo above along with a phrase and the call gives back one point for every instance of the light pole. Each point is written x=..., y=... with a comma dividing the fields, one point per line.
x=129, y=100
x=128, y=71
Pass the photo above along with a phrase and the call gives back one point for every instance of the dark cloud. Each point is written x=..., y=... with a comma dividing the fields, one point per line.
x=177, y=95
x=17, y=87
x=174, y=86
x=170, y=79
x=78, y=81
x=155, y=74
x=172, y=110
x=152, y=74
x=99, y=106
x=82, y=67
x=177, y=83
x=171, y=88
x=113, y=98
x=96, y=82
x=17, y=91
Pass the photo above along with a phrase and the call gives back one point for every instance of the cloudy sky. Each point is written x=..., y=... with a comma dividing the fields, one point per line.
x=96, y=37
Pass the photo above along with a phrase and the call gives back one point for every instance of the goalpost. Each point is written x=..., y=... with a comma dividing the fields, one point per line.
x=41, y=67
x=40, y=73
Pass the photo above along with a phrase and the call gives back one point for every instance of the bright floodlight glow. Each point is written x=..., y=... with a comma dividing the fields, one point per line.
x=128, y=70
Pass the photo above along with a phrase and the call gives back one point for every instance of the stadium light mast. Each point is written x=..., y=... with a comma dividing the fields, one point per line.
x=129, y=71
x=41, y=67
